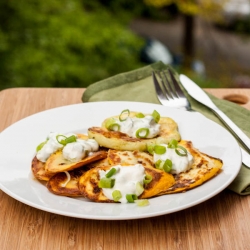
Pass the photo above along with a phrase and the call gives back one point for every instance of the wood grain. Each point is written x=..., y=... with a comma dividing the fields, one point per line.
x=239, y=96
x=222, y=222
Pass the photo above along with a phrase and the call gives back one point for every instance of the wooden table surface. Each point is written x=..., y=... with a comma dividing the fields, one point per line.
x=222, y=222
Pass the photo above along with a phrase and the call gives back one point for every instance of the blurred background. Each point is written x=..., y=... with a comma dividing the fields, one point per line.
x=74, y=43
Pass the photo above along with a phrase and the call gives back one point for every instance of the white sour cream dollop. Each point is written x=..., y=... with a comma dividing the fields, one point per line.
x=132, y=124
x=73, y=151
x=179, y=163
x=126, y=179
x=78, y=150
x=51, y=146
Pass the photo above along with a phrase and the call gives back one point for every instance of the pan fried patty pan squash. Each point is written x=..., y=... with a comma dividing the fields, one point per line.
x=122, y=141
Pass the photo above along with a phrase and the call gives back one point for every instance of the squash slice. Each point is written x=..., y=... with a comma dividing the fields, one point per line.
x=88, y=183
x=38, y=169
x=203, y=169
x=120, y=141
x=59, y=184
x=57, y=163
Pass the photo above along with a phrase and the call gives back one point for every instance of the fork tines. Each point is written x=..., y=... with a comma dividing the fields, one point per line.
x=168, y=90
x=170, y=86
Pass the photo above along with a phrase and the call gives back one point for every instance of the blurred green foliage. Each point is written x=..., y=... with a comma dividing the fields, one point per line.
x=240, y=26
x=65, y=43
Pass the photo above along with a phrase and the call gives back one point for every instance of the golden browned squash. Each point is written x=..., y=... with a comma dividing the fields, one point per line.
x=38, y=170
x=88, y=183
x=57, y=163
x=121, y=141
x=59, y=184
x=203, y=169
x=116, y=157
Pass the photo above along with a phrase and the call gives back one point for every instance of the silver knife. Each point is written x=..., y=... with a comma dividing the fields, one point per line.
x=198, y=94
x=245, y=158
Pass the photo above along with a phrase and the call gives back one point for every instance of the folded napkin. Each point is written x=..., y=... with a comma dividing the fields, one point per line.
x=137, y=85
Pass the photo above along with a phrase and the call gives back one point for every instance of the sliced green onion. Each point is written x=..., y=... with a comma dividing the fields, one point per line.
x=62, y=141
x=173, y=144
x=114, y=127
x=40, y=146
x=167, y=165
x=111, y=172
x=109, y=122
x=142, y=202
x=181, y=151
x=116, y=194
x=131, y=198
x=147, y=179
x=150, y=148
x=124, y=115
x=156, y=116
x=140, y=115
x=106, y=183
x=160, y=150
x=142, y=133
x=159, y=164
x=70, y=139
x=66, y=140
x=139, y=188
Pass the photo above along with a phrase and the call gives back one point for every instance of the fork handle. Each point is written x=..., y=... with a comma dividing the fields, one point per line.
x=234, y=128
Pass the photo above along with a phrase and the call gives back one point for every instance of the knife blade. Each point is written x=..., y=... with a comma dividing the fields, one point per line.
x=198, y=94
x=245, y=158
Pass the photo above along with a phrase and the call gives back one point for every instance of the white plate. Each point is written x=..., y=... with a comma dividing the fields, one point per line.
x=18, y=143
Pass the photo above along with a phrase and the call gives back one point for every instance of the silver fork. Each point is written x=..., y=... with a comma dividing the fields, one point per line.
x=169, y=92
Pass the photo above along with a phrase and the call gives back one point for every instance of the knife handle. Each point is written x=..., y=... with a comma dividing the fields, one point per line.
x=234, y=128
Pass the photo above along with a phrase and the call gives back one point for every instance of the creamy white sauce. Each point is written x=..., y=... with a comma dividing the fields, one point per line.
x=179, y=163
x=51, y=146
x=73, y=151
x=78, y=150
x=126, y=179
x=132, y=124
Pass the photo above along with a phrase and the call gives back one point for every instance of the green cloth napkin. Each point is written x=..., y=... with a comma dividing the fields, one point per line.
x=137, y=85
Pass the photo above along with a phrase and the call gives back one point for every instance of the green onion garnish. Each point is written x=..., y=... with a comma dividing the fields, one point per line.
x=61, y=139
x=159, y=164
x=173, y=144
x=160, y=150
x=142, y=133
x=156, y=116
x=109, y=122
x=40, y=146
x=111, y=172
x=116, y=194
x=124, y=115
x=147, y=179
x=114, y=127
x=164, y=165
x=131, y=198
x=139, y=188
x=142, y=202
x=167, y=165
x=181, y=151
x=140, y=115
x=70, y=139
x=150, y=148
x=65, y=139
x=106, y=183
